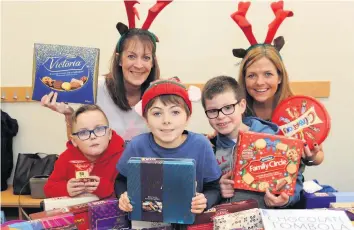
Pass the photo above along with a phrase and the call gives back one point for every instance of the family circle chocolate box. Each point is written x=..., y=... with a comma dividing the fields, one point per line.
x=161, y=190
x=265, y=161
x=70, y=71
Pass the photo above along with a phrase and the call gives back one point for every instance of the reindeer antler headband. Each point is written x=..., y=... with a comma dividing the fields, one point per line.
x=132, y=12
x=240, y=18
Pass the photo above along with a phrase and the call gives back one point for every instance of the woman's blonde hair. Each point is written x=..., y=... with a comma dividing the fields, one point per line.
x=273, y=55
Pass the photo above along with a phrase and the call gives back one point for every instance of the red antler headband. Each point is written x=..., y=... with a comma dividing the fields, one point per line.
x=240, y=18
x=132, y=12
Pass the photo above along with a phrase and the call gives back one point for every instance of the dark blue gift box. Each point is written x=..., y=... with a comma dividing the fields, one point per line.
x=318, y=200
x=323, y=200
x=161, y=190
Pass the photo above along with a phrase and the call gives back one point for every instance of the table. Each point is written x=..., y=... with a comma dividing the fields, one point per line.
x=9, y=200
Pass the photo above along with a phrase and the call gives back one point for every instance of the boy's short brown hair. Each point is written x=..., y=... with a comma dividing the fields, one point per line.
x=219, y=85
x=168, y=99
x=85, y=108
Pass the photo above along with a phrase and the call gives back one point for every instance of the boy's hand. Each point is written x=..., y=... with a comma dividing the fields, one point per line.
x=276, y=201
x=199, y=203
x=92, y=184
x=227, y=185
x=124, y=203
x=211, y=135
x=75, y=187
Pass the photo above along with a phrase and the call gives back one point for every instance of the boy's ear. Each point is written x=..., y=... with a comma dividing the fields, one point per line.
x=110, y=134
x=243, y=105
x=146, y=121
x=73, y=140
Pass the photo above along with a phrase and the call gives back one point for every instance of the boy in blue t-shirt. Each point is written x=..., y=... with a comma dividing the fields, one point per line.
x=167, y=108
x=224, y=102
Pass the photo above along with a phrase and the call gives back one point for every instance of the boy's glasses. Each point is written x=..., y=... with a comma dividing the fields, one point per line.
x=226, y=110
x=99, y=131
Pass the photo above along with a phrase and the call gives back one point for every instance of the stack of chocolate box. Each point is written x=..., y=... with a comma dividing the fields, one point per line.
x=161, y=190
x=79, y=211
x=59, y=221
x=204, y=221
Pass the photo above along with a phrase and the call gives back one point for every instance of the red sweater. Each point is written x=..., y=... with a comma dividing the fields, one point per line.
x=104, y=167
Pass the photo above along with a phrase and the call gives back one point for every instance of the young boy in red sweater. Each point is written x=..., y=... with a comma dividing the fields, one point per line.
x=88, y=165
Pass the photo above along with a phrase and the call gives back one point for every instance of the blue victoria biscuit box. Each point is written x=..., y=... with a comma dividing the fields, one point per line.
x=69, y=70
x=161, y=190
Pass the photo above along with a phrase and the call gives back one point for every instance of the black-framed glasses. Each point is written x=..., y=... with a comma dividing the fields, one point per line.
x=85, y=134
x=226, y=110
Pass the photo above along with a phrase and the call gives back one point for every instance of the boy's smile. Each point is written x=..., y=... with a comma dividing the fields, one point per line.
x=223, y=124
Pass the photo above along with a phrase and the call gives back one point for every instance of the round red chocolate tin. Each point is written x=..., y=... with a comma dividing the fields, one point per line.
x=304, y=118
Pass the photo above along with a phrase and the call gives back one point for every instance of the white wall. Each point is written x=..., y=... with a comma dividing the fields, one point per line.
x=196, y=39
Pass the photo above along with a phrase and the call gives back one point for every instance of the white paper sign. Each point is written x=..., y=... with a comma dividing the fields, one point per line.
x=305, y=219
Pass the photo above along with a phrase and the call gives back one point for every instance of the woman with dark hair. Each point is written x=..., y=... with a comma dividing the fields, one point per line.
x=133, y=67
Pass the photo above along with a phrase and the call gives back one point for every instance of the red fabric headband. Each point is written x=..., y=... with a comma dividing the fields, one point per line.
x=166, y=87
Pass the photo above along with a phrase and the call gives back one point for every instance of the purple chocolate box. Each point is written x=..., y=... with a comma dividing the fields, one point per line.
x=318, y=200
x=105, y=214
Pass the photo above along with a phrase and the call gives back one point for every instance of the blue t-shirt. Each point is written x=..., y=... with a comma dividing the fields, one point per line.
x=196, y=146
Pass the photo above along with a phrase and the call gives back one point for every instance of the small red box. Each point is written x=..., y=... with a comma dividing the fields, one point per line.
x=265, y=161
x=80, y=212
